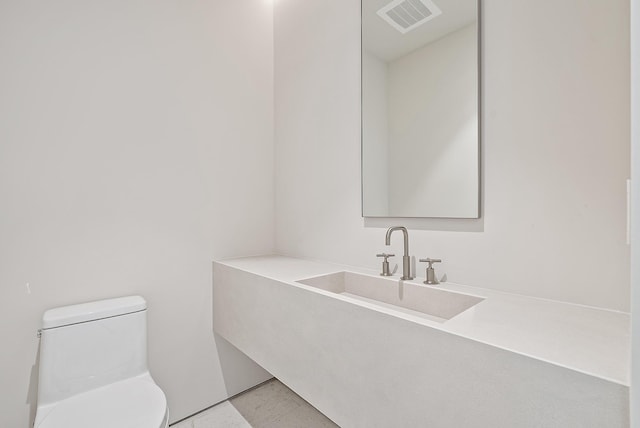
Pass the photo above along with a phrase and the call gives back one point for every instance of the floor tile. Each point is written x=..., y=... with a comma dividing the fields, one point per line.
x=188, y=423
x=270, y=405
x=224, y=415
x=267, y=403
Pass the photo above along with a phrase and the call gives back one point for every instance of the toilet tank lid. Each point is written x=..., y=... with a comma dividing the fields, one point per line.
x=91, y=311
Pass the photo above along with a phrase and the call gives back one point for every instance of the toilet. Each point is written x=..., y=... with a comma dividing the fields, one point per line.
x=93, y=368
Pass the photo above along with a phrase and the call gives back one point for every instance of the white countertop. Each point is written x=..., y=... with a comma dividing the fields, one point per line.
x=589, y=340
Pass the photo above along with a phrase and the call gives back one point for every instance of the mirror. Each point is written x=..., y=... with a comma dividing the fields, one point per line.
x=420, y=135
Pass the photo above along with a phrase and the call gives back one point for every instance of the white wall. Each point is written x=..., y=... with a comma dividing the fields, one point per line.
x=136, y=146
x=433, y=128
x=635, y=206
x=555, y=132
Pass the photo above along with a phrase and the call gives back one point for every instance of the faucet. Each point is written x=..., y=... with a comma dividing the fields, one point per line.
x=406, y=259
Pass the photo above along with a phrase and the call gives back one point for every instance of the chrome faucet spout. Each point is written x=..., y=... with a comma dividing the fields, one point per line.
x=406, y=259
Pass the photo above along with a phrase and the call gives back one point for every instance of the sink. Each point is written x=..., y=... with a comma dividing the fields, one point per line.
x=415, y=299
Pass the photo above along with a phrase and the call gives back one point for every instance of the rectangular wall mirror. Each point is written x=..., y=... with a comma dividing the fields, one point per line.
x=420, y=106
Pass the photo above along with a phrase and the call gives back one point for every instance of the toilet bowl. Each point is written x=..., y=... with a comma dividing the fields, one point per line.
x=93, y=368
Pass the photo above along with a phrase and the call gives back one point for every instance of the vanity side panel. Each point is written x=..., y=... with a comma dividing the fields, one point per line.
x=364, y=368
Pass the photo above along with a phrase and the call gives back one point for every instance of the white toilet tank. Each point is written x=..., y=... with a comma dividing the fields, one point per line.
x=90, y=345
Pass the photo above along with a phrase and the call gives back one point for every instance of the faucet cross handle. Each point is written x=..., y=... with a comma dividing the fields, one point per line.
x=385, y=255
x=431, y=272
x=385, y=264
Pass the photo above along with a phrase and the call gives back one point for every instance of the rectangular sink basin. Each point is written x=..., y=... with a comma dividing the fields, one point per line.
x=415, y=299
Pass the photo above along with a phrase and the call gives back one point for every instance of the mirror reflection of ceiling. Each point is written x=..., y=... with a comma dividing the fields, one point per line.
x=388, y=44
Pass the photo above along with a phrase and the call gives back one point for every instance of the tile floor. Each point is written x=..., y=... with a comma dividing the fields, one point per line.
x=269, y=405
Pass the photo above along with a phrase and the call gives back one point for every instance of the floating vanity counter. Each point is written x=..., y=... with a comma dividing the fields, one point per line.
x=369, y=351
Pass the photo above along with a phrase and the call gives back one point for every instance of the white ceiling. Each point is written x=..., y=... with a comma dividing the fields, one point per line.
x=387, y=43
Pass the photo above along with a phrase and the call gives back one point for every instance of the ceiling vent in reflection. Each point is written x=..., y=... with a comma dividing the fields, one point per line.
x=405, y=15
